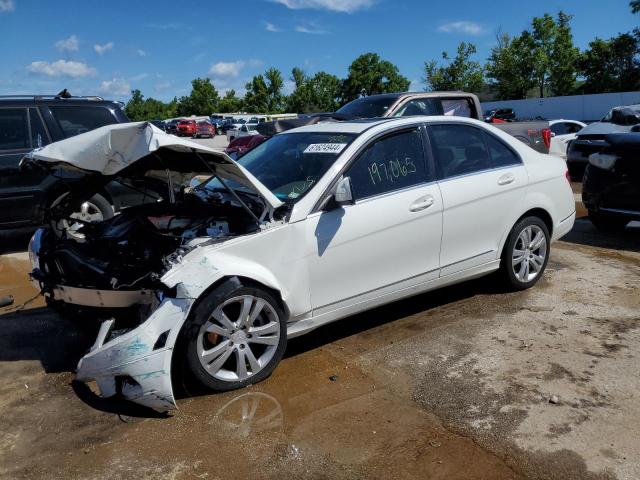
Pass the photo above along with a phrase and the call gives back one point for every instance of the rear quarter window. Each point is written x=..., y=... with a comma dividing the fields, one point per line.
x=74, y=120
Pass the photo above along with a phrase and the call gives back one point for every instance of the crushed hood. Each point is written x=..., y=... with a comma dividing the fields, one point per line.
x=134, y=147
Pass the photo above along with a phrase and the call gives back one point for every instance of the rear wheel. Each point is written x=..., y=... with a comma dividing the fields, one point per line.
x=235, y=338
x=526, y=253
x=607, y=223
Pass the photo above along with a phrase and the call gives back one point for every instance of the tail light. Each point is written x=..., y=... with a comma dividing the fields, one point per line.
x=546, y=137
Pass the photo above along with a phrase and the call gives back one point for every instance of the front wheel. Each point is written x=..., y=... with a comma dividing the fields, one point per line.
x=525, y=254
x=96, y=209
x=235, y=338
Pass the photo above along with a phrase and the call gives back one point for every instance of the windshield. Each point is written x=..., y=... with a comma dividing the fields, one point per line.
x=368, y=107
x=290, y=164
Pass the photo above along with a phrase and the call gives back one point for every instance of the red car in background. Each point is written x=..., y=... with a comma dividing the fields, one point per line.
x=241, y=145
x=205, y=129
x=187, y=128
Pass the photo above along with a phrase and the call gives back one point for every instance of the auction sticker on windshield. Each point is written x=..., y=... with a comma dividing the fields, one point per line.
x=325, y=148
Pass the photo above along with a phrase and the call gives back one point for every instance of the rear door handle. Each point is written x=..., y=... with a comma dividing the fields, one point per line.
x=422, y=203
x=506, y=179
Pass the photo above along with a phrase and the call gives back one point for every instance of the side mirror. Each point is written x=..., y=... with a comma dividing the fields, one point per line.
x=553, y=134
x=342, y=194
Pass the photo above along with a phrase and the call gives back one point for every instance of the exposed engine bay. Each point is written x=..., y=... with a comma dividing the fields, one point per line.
x=133, y=249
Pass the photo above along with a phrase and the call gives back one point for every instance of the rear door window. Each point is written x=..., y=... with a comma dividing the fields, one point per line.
x=501, y=155
x=14, y=129
x=459, y=150
x=74, y=120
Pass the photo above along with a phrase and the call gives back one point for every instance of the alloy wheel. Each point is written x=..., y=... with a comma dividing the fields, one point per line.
x=239, y=338
x=529, y=253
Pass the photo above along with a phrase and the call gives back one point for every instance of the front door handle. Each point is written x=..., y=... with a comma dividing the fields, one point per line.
x=506, y=179
x=422, y=203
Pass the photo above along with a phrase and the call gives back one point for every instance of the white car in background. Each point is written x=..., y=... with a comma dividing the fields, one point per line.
x=562, y=132
x=311, y=226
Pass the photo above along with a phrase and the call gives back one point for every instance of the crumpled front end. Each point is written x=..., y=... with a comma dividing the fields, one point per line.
x=137, y=364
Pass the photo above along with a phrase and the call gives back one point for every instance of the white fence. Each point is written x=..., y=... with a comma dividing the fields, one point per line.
x=587, y=108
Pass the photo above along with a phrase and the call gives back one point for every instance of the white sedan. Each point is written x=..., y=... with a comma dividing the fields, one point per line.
x=562, y=132
x=312, y=226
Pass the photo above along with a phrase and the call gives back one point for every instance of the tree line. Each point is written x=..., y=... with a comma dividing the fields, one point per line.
x=541, y=61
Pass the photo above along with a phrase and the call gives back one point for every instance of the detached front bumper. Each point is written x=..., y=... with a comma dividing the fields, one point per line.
x=137, y=364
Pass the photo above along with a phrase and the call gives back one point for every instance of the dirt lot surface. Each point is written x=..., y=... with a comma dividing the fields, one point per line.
x=463, y=383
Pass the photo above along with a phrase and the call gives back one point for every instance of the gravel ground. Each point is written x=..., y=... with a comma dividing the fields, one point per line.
x=466, y=382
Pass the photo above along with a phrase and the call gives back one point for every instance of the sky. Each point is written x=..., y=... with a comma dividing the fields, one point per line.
x=109, y=47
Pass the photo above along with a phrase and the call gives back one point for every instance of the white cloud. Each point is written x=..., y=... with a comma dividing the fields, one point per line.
x=270, y=27
x=232, y=69
x=101, y=49
x=164, y=26
x=70, y=44
x=115, y=86
x=7, y=6
x=462, y=26
x=62, y=68
x=346, y=6
x=141, y=76
x=310, y=30
x=141, y=52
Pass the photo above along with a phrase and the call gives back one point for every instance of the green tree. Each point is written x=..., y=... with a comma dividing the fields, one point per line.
x=325, y=90
x=369, y=74
x=139, y=109
x=611, y=65
x=635, y=6
x=230, y=103
x=203, y=99
x=543, y=57
x=299, y=101
x=275, y=83
x=511, y=66
x=461, y=73
x=256, y=100
x=564, y=58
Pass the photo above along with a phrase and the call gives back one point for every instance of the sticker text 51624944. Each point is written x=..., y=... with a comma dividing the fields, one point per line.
x=334, y=148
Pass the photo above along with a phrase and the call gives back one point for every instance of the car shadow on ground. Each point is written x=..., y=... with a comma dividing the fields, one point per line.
x=584, y=233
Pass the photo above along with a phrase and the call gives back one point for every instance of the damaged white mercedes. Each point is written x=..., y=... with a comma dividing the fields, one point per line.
x=223, y=261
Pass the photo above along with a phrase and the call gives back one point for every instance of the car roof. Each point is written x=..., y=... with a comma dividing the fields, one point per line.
x=35, y=100
x=361, y=125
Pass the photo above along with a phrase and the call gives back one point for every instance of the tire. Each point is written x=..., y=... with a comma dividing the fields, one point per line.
x=97, y=209
x=518, y=275
x=607, y=223
x=214, y=348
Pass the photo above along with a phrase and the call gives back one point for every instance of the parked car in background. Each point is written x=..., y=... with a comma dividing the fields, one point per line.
x=536, y=134
x=187, y=128
x=500, y=115
x=591, y=138
x=563, y=132
x=205, y=129
x=312, y=226
x=28, y=195
x=172, y=127
x=245, y=130
x=611, y=182
x=224, y=125
x=239, y=146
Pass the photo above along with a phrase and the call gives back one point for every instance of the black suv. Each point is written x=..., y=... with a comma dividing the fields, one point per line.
x=27, y=122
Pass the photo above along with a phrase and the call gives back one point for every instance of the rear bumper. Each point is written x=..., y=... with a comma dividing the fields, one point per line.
x=137, y=364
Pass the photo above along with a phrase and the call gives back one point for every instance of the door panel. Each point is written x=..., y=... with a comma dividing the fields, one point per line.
x=482, y=181
x=477, y=210
x=376, y=243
